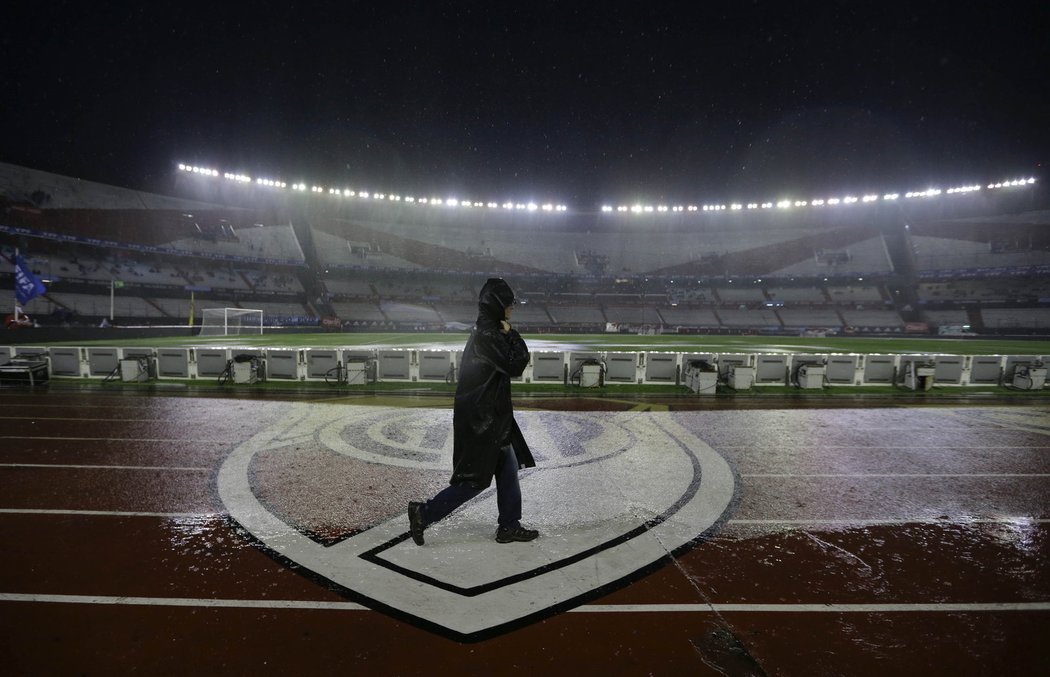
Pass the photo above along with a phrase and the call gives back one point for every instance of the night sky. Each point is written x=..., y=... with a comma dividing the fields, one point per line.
x=577, y=102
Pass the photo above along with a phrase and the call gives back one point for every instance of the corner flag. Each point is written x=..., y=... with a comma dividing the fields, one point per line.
x=27, y=285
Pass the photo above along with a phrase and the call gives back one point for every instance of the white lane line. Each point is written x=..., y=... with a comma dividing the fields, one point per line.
x=747, y=475
x=102, y=467
x=813, y=608
x=588, y=608
x=79, y=418
x=732, y=522
x=889, y=475
x=110, y=513
x=119, y=439
x=183, y=601
x=903, y=521
x=870, y=447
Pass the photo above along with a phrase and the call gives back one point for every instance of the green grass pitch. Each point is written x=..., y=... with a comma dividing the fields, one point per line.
x=610, y=343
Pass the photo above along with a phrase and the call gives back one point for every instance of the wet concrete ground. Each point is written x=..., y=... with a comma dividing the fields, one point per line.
x=860, y=541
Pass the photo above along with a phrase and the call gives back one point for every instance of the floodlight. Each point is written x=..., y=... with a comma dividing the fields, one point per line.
x=890, y=196
x=834, y=201
x=784, y=204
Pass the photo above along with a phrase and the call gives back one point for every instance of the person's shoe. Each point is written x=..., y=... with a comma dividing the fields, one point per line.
x=512, y=534
x=415, y=521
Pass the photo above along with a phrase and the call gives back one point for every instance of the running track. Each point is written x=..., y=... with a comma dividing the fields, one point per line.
x=863, y=542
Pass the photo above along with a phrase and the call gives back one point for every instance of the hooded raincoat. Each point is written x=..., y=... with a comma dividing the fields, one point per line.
x=483, y=420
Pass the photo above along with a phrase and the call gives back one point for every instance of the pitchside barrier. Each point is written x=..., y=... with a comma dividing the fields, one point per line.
x=699, y=371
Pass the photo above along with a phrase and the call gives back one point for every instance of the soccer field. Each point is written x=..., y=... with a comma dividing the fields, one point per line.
x=611, y=343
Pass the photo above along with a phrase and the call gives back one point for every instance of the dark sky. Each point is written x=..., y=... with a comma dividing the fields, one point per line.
x=579, y=102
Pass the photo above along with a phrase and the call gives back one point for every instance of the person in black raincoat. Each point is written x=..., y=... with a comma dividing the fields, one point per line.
x=487, y=442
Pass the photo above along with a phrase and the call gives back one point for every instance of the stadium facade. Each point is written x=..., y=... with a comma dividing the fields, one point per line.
x=975, y=262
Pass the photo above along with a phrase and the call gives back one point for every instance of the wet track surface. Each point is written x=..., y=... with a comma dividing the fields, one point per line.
x=893, y=540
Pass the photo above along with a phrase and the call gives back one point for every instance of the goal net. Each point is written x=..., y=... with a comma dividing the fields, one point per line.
x=231, y=321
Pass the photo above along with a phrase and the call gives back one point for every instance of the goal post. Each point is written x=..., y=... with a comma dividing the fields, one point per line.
x=231, y=321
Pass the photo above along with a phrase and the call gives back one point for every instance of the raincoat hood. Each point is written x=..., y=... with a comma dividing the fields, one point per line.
x=493, y=301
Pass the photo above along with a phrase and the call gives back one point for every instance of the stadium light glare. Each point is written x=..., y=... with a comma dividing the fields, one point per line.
x=550, y=207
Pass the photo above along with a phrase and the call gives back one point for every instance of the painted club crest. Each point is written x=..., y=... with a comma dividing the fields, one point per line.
x=613, y=494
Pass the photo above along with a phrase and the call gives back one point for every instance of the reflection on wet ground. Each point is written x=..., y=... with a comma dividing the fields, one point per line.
x=890, y=540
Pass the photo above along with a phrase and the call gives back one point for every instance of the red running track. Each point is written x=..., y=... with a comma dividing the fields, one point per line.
x=861, y=542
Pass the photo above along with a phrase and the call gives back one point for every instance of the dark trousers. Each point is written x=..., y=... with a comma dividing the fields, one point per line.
x=508, y=494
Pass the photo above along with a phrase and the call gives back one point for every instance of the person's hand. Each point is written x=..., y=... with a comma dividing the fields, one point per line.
x=504, y=326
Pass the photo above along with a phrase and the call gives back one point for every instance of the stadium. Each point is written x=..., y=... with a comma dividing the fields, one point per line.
x=236, y=254
x=229, y=372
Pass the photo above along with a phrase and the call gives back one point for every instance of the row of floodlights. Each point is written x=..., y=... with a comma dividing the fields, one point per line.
x=635, y=209
x=364, y=194
x=788, y=204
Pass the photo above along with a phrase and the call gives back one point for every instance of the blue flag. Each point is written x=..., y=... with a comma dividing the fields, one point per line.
x=27, y=285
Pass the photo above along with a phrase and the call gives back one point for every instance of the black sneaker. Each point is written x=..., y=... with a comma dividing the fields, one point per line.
x=415, y=521
x=511, y=534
